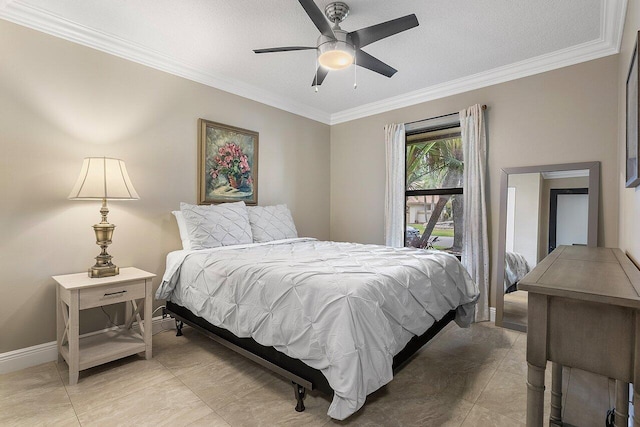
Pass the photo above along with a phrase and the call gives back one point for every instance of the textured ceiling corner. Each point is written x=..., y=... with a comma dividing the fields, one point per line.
x=38, y=19
x=4, y=3
x=611, y=28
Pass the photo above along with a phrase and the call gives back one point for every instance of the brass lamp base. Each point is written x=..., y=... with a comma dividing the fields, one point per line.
x=104, y=232
x=113, y=270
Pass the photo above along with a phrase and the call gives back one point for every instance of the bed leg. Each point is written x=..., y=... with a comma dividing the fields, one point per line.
x=179, y=325
x=300, y=393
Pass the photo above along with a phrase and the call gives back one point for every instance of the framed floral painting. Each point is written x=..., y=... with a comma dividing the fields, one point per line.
x=227, y=164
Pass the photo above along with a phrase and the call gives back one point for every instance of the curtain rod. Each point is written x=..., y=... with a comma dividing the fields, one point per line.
x=484, y=107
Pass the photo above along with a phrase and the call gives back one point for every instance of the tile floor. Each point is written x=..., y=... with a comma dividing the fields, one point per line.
x=464, y=377
x=515, y=307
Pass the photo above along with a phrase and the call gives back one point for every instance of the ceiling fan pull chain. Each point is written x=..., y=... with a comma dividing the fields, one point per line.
x=355, y=71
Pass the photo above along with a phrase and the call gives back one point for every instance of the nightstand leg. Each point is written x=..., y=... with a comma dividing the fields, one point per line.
x=74, y=343
x=127, y=312
x=59, y=323
x=148, y=327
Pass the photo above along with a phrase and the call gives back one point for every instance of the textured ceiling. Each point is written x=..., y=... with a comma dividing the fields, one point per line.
x=455, y=39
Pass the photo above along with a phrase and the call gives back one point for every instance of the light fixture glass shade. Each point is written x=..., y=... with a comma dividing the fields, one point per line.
x=335, y=59
x=103, y=178
x=336, y=54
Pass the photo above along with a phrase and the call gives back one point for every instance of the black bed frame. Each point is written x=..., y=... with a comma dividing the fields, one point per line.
x=301, y=375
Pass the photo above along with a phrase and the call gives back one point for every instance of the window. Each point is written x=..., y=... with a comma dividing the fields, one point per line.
x=433, y=191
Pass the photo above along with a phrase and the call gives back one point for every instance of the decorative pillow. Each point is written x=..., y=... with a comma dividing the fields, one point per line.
x=271, y=223
x=217, y=225
x=182, y=228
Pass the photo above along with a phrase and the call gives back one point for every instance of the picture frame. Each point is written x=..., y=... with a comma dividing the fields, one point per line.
x=227, y=164
x=632, y=178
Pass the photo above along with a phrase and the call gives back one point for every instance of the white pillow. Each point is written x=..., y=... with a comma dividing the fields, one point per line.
x=271, y=223
x=182, y=228
x=217, y=225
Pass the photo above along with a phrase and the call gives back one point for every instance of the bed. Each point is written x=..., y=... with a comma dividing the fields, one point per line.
x=515, y=268
x=339, y=317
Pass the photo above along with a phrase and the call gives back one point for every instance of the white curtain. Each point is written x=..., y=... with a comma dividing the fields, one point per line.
x=394, y=194
x=475, y=246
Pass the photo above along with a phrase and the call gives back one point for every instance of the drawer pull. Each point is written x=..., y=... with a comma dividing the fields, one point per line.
x=114, y=293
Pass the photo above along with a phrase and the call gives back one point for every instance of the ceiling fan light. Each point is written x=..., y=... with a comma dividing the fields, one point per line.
x=336, y=54
x=335, y=59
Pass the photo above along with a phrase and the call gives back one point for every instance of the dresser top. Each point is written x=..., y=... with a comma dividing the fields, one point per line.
x=585, y=273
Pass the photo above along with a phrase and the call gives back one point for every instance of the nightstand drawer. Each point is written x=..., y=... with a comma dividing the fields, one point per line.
x=112, y=294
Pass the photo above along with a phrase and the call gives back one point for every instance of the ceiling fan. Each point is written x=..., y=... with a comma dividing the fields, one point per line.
x=338, y=49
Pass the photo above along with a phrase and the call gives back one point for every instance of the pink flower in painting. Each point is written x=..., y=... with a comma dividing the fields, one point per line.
x=233, y=164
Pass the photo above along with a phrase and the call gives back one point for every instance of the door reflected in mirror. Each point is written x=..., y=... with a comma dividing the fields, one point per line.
x=542, y=207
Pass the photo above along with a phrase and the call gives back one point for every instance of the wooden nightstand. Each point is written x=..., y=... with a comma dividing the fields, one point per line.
x=77, y=292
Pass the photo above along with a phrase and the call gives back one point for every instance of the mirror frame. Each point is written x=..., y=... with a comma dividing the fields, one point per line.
x=592, y=232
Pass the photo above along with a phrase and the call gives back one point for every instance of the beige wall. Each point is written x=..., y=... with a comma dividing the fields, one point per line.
x=562, y=116
x=61, y=102
x=629, y=197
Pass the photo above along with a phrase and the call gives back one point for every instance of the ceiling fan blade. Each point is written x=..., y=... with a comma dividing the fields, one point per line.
x=317, y=17
x=319, y=77
x=283, y=49
x=368, y=35
x=363, y=59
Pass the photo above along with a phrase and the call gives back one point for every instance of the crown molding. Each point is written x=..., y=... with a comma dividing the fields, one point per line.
x=611, y=28
x=529, y=67
x=21, y=13
x=612, y=23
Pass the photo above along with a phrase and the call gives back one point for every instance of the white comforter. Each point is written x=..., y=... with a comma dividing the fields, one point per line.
x=343, y=308
x=515, y=268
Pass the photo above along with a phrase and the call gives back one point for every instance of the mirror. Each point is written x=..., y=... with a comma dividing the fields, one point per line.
x=541, y=207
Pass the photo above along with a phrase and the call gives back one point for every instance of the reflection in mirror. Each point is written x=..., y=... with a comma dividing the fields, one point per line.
x=542, y=207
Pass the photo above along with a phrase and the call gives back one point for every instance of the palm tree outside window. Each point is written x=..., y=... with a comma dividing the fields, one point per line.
x=433, y=191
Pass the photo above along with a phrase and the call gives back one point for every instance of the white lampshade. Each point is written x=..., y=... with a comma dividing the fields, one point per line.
x=103, y=178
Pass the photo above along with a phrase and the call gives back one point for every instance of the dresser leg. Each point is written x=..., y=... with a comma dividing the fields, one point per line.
x=535, y=396
x=556, y=395
x=636, y=404
x=622, y=404
x=636, y=376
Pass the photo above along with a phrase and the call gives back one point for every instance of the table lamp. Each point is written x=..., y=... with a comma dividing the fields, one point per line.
x=103, y=178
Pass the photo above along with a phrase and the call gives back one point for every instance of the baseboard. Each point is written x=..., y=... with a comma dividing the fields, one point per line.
x=22, y=358
x=26, y=357
x=16, y=360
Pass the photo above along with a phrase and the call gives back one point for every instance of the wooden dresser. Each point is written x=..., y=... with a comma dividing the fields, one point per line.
x=584, y=312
